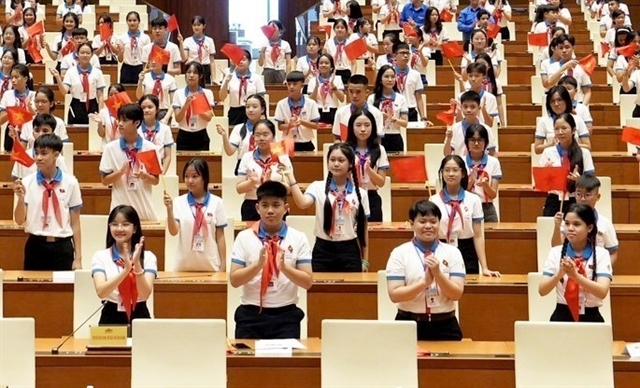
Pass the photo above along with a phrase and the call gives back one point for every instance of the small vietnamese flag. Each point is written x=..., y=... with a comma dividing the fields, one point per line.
x=18, y=154
x=233, y=52
x=631, y=135
x=344, y=131
x=200, y=104
x=588, y=64
x=409, y=170
x=150, y=161
x=159, y=55
x=446, y=16
x=452, y=49
x=269, y=31
x=18, y=115
x=116, y=102
x=172, y=23
x=550, y=178
x=604, y=48
x=493, y=31
x=628, y=50
x=34, y=51
x=449, y=116
x=407, y=30
x=105, y=32
x=326, y=28
x=284, y=147
x=541, y=39
x=355, y=49
x=36, y=29
x=69, y=47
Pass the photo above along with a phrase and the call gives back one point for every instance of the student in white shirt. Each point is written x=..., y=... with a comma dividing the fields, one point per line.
x=270, y=261
x=371, y=159
x=607, y=19
x=479, y=45
x=107, y=124
x=28, y=20
x=434, y=34
x=42, y=125
x=48, y=205
x=569, y=155
x=9, y=59
x=45, y=103
x=13, y=6
x=239, y=85
x=342, y=208
x=326, y=89
x=501, y=12
x=153, y=80
x=85, y=6
x=12, y=40
x=420, y=54
x=334, y=10
x=198, y=219
x=80, y=36
x=129, y=49
x=619, y=37
x=546, y=21
x=362, y=30
x=389, y=17
x=551, y=72
x=155, y=131
x=241, y=138
x=630, y=81
x=408, y=82
x=121, y=169
x=491, y=85
x=426, y=277
x=308, y=64
x=69, y=23
x=564, y=15
x=387, y=58
x=393, y=106
x=358, y=88
x=275, y=56
x=124, y=272
x=68, y=6
x=159, y=31
x=85, y=84
x=297, y=116
x=20, y=96
x=580, y=263
x=256, y=167
x=462, y=216
x=105, y=51
x=201, y=48
x=454, y=142
x=579, y=109
x=336, y=48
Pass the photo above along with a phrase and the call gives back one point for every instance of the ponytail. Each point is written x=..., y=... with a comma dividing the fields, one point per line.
x=327, y=220
x=361, y=218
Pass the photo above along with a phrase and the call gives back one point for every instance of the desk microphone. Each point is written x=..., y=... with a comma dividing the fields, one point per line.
x=57, y=348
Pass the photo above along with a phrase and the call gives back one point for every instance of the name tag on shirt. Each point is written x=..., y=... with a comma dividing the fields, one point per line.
x=582, y=301
x=338, y=228
x=83, y=97
x=198, y=243
x=132, y=182
x=433, y=296
x=193, y=123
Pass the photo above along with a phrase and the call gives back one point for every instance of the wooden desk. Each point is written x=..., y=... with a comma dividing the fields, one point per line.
x=469, y=363
x=342, y=295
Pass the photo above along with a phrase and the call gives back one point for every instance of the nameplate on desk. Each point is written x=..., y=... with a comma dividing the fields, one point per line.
x=108, y=336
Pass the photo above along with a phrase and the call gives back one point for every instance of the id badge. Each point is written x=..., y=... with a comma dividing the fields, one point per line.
x=109, y=57
x=338, y=229
x=433, y=296
x=46, y=222
x=582, y=302
x=326, y=109
x=387, y=124
x=193, y=123
x=454, y=240
x=121, y=305
x=83, y=97
x=274, y=282
x=134, y=57
x=132, y=182
x=198, y=243
x=295, y=132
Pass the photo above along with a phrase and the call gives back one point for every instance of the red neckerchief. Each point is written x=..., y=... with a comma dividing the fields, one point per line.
x=128, y=288
x=271, y=245
x=572, y=289
x=49, y=192
x=339, y=204
x=455, y=209
x=266, y=167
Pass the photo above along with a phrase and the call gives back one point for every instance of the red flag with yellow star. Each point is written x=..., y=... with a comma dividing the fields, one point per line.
x=18, y=115
x=283, y=147
x=588, y=64
x=550, y=178
x=159, y=55
x=114, y=103
x=18, y=154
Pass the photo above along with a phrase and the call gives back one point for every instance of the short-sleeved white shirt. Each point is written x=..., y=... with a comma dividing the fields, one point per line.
x=489, y=167
x=328, y=5
x=59, y=42
x=169, y=86
x=97, y=43
x=412, y=85
x=505, y=8
x=73, y=80
x=607, y=22
x=191, y=47
x=242, y=144
x=458, y=145
x=495, y=59
x=281, y=63
x=248, y=162
x=384, y=59
x=175, y=58
x=12, y=98
x=21, y=55
x=111, y=132
x=180, y=98
x=161, y=138
x=549, y=67
x=607, y=237
x=634, y=79
x=399, y=107
x=133, y=54
x=68, y=194
x=127, y=190
x=603, y=269
x=343, y=114
x=26, y=135
x=102, y=261
x=255, y=85
x=471, y=208
x=309, y=112
x=544, y=129
x=331, y=101
x=64, y=9
x=551, y=157
x=370, y=39
x=416, y=63
x=303, y=64
x=385, y=10
x=316, y=191
x=71, y=60
x=281, y=291
x=11, y=11
x=20, y=170
x=490, y=103
x=186, y=257
x=440, y=37
x=382, y=163
x=341, y=62
x=584, y=113
x=406, y=264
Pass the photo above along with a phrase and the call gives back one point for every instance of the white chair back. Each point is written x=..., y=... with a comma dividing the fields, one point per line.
x=535, y=161
x=306, y=225
x=222, y=68
x=18, y=352
x=171, y=244
x=229, y=237
x=93, y=228
x=229, y=163
x=95, y=141
x=627, y=104
x=67, y=152
x=215, y=140
x=173, y=165
x=385, y=196
x=540, y=307
x=537, y=90
x=181, y=81
x=403, y=135
x=386, y=308
x=67, y=104
x=544, y=233
x=178, y=353
x=452, y=31
x=546, y=354
x=1, y=295
x=361, y=353
x=433, y=157
x=431, y=73
x=504, y=72
x=230, y=197
x=604, y=206
x=85, y=302
x=157, y=194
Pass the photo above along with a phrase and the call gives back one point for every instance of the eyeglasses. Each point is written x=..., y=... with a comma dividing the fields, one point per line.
x=584, y=195
x=118, y=225
x=476, y=140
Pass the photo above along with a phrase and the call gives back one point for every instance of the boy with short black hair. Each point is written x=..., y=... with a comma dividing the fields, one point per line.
x=42, y=125
x=552, y=71
x=408, y=81
x=454, y=137
x=159, y=36
x=48, y=206
x=80, y=35
x=476, y=74
x=297, y=115
x=270, y=261
x=358, y=88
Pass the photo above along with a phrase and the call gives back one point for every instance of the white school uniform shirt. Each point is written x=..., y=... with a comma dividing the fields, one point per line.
x=69, y=198
x=440, y=37
x=309, y=112
x=188, y=257
x=26, y=135
x=607, y=237
x=281, y=291
x=412, y=84
x=443, y=4
x=417, y=63
x=255, y=85
x=551, y=157
x=128, y=190
x=549, y=67
x=489, y=167
x=303, y=64
x=71, y=60
x=458, y=146
x=191, y=46
x=13, y=97
x=544, y=27
x=346, y=223
x=197, y=123
x=11, y=11
x=607, y=22
x=242, y=144
x=328, y=5
x=370, y=39
x=133, y=55
x=59, y=42
x=490, y=104
x=341, y=62
x=97, y=43
x=471, y=208
x=399, y=107
x=603, y=269
x=21, y=55
x=495, y=59
x=583, y=112
x=248, y=162
x=168, y=83
x=384, y=59
x=343, y=114
x=73, y=80
x=110, y=133
x=499, y=90
x=20, y=170
x=175, y=58
x=406, y=264
x=281, y=63
x=544, y=129
x=64, y=9
x=505, y=8
x=161, y=138
x=331, y=101
x=385, y=10
x=102, y=261
x=381, y=164
x=634, y=79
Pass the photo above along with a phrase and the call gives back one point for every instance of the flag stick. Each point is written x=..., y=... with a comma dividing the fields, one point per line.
x=562, y=201
x=428, y=188
x=164, y=184
x=451, y=64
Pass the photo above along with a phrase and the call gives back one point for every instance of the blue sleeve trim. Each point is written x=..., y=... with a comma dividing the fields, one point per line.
x=604, y=275
x=311, y=195
x=221, y=226
x=95, y=271
x=78, y=207
x=496, y=176
x=479, y=219
x=168, y=145
x=315, y=120
x=303, y=261
x=234, y=144
x=547, y=274
x=242, y=173
x=585, y=86
x=590, y=172
x=395, y=277
x=611, y=249
x=105, y=172
x=458, y=275
x=384, y=167
x=153, y=271
x=540, y=137
x=238, y=261
x=586, y=134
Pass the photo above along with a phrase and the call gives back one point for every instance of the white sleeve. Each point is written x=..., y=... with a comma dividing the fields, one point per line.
x=588, y=161
x=75, y=198
x=221, y=217
x=395, y=266
x=553, y=262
